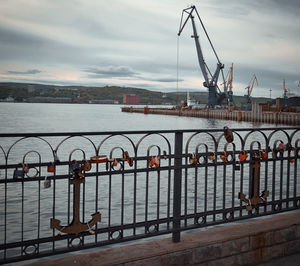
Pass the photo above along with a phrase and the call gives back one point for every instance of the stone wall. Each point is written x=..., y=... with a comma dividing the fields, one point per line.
x=248, y=243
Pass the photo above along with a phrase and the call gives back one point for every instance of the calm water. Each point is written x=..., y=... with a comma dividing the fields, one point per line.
x=37, y=118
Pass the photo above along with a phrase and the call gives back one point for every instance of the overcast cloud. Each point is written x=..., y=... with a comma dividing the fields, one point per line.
x=134, y=43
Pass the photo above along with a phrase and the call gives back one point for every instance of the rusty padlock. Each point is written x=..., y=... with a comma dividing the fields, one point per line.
x=223, y=157
x=228, y=134
x=212, y=157
x=86, y=166
x=193, y=159
x=157, y=161
x=128, y=158
x=263, y=154
x=152, y=162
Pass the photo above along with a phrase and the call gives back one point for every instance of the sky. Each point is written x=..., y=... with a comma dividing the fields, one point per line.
x=134, y=43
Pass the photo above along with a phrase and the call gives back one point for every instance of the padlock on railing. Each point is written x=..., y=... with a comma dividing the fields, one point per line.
x=18, y=174
x=128, y=158
x=281, y=147
x=155, y=161
x=228, y=134
x=75, y=169
x=212, y=157
x=193, y=159
x=263, y=154
x=243, y=156
x=51, y=168
x=223, y=157
x=86, y=166
x=25, y=167
x=47, y=182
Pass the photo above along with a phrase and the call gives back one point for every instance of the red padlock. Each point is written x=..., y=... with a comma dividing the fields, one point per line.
x=51, y=168
x=263, y=154
x=243, y=156
x=223, y=157
x=152, y=162
x=157, y=161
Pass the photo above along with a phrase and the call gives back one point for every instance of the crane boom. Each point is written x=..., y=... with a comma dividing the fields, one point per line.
x=215, y=96
x=199, y=52
x=229, y=85
x=250, y=87
x=254, y=79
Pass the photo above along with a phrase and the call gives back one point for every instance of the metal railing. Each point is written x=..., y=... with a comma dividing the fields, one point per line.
x=65, y=192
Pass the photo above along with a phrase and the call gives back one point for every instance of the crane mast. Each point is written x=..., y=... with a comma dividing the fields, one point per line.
x=284, y=90
x=215, y=96
x=229, y=85
x=249, y=88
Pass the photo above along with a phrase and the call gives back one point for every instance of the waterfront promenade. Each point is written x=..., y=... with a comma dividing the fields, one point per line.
x=268, y=241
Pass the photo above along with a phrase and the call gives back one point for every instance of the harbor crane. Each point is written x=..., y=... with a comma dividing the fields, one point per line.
x=249, y=88
x=215, y=96
x=285, y=90
x=229, y=79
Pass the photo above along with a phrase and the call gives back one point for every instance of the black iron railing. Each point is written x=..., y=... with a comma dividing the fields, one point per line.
x=64, y=192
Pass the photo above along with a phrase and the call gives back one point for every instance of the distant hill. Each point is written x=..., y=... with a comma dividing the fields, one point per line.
x=292, y=101
x=83, y=94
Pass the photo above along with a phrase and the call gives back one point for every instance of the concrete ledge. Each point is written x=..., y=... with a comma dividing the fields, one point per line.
x=243, y=244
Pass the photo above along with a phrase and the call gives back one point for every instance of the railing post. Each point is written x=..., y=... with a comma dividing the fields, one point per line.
x=177, y=186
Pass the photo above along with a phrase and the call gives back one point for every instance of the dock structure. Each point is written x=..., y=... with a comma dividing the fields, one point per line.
x=255, y=115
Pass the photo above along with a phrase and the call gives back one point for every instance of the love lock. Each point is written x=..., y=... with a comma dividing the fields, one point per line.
x=212, y=157
x=77, y=168
x=18, y=174
x=47, y=182
x=51, y=168
x=155, y=161
x=263, y=154
x=295, y=154
x=281, y=147
x=127, y=159
x=193, y=159
x=243, y=156
x=86, y=166
x=228, y=134
x=25, y=167
x=223, y=157
x=98, y=159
